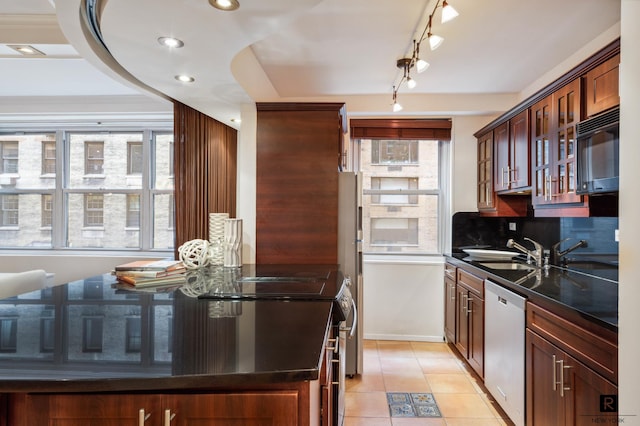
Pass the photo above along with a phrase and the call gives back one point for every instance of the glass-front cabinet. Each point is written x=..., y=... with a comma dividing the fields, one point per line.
x=553, y=136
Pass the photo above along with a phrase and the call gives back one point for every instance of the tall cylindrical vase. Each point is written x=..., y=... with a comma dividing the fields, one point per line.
x=233, y=242
x=216, y=237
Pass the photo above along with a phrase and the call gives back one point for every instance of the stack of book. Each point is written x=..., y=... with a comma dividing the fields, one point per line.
x=151, y=273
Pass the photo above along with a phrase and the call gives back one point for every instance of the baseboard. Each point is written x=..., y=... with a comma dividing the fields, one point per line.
x=411, y=338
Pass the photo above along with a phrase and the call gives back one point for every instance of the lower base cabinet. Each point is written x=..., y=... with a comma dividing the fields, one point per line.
x=568, y=372
x=229, y=409
x=563, y=391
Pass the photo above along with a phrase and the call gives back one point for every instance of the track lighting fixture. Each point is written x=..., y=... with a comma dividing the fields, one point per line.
x=406, y=64
x=448, y=12
x=396, y=106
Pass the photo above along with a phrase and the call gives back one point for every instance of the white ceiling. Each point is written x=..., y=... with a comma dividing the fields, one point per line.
x=291, y=49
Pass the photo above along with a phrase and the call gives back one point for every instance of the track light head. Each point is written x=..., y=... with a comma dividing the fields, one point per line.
x=448, y=12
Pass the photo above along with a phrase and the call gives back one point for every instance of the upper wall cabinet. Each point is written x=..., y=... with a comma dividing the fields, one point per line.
x=534, y=145
x=511, y=142
x=553, y=135
x=490, y=203
x=601, y=87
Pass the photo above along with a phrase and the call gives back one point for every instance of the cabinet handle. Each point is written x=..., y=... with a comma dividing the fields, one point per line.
x=168, y=417
x=514, y=172
x=452, y=293
x=142, y=417
x=555, y=376
x=469, y=305
x=334, y=348
x=562, y=385
x=463, y=305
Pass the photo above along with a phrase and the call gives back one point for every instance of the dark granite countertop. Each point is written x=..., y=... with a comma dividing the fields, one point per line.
x=88, y=336
x=588, y=291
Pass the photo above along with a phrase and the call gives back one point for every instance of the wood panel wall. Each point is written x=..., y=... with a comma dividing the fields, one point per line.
x=205, y=165
x=298, y=147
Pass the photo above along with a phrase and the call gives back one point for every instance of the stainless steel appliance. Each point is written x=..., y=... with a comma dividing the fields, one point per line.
x=504, y=349
x=350, y=258
x=598, y=153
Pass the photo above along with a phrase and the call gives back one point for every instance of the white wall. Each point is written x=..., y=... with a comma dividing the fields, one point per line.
x=403, y=298
x=629, y=291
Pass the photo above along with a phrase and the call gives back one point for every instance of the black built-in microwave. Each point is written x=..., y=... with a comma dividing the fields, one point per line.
x=598, y=153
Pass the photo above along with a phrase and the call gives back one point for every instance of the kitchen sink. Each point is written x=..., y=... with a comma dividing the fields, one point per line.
x=511, y=266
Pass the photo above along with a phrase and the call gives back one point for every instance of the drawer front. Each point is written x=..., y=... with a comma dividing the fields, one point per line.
x=450, y=271
x=473, y=283
x=597, y=353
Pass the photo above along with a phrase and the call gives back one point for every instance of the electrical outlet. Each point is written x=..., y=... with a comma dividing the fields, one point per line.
x=616, y=236
x=512, y=226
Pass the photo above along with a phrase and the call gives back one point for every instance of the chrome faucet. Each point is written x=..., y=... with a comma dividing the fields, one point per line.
x=557, y=256
x=536, y=253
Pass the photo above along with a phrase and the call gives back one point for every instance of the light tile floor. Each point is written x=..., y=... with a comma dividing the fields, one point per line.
x=422, y=367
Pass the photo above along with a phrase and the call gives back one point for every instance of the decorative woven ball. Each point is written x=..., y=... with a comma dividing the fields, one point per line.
x=194, y=254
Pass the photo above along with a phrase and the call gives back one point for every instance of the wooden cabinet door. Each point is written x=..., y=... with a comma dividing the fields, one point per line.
x=462, y=321
x=584, y=391
x=239, y=409
x=501, y=160
x=602, y=87
x=485, y=173
x=566, y=116
x=450, y=309
x=519, y=156
x=476, y=333
x=541, y=151
x=544, y=406
x=92, y=410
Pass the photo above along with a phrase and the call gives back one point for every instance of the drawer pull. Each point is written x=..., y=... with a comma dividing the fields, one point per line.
x=142, y=417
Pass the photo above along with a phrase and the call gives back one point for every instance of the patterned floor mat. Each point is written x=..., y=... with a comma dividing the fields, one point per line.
x=403, y=404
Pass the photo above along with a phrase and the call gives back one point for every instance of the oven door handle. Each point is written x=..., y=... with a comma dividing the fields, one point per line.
x=354, y=323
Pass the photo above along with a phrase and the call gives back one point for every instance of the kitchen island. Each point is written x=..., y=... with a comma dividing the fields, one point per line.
x=91, y=350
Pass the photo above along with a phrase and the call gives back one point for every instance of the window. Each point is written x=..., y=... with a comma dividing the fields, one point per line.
x=394, y=190
x=404, y=195
x=9, y=157
x=93, y=158
x=394, y=231
x=92, y=334
x=9, y=206
x=394, y=152
x=134, y=335
x=48, y=157
x=133, y=211
x=134, y=158
x=94, y=210
x=46, y=211
x=76, y=190
x=8, y=334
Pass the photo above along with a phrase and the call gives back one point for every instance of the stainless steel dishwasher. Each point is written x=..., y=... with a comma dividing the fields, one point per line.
x=504, y=350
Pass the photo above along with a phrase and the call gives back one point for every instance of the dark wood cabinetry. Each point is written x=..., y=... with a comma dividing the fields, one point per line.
x=298, y=155
x=160, y=410
x=601, y=87
x=570, y=371
x=546, y=123
x=511, y=147
x=489, y=202
x=553, y=136
x=450, y=302
x=470, y=319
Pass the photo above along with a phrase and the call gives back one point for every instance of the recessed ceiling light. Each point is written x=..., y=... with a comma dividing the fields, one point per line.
x=170, y=42
x=236, y=120
x=225, y=4
x=184, y=78
x=25, y=49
